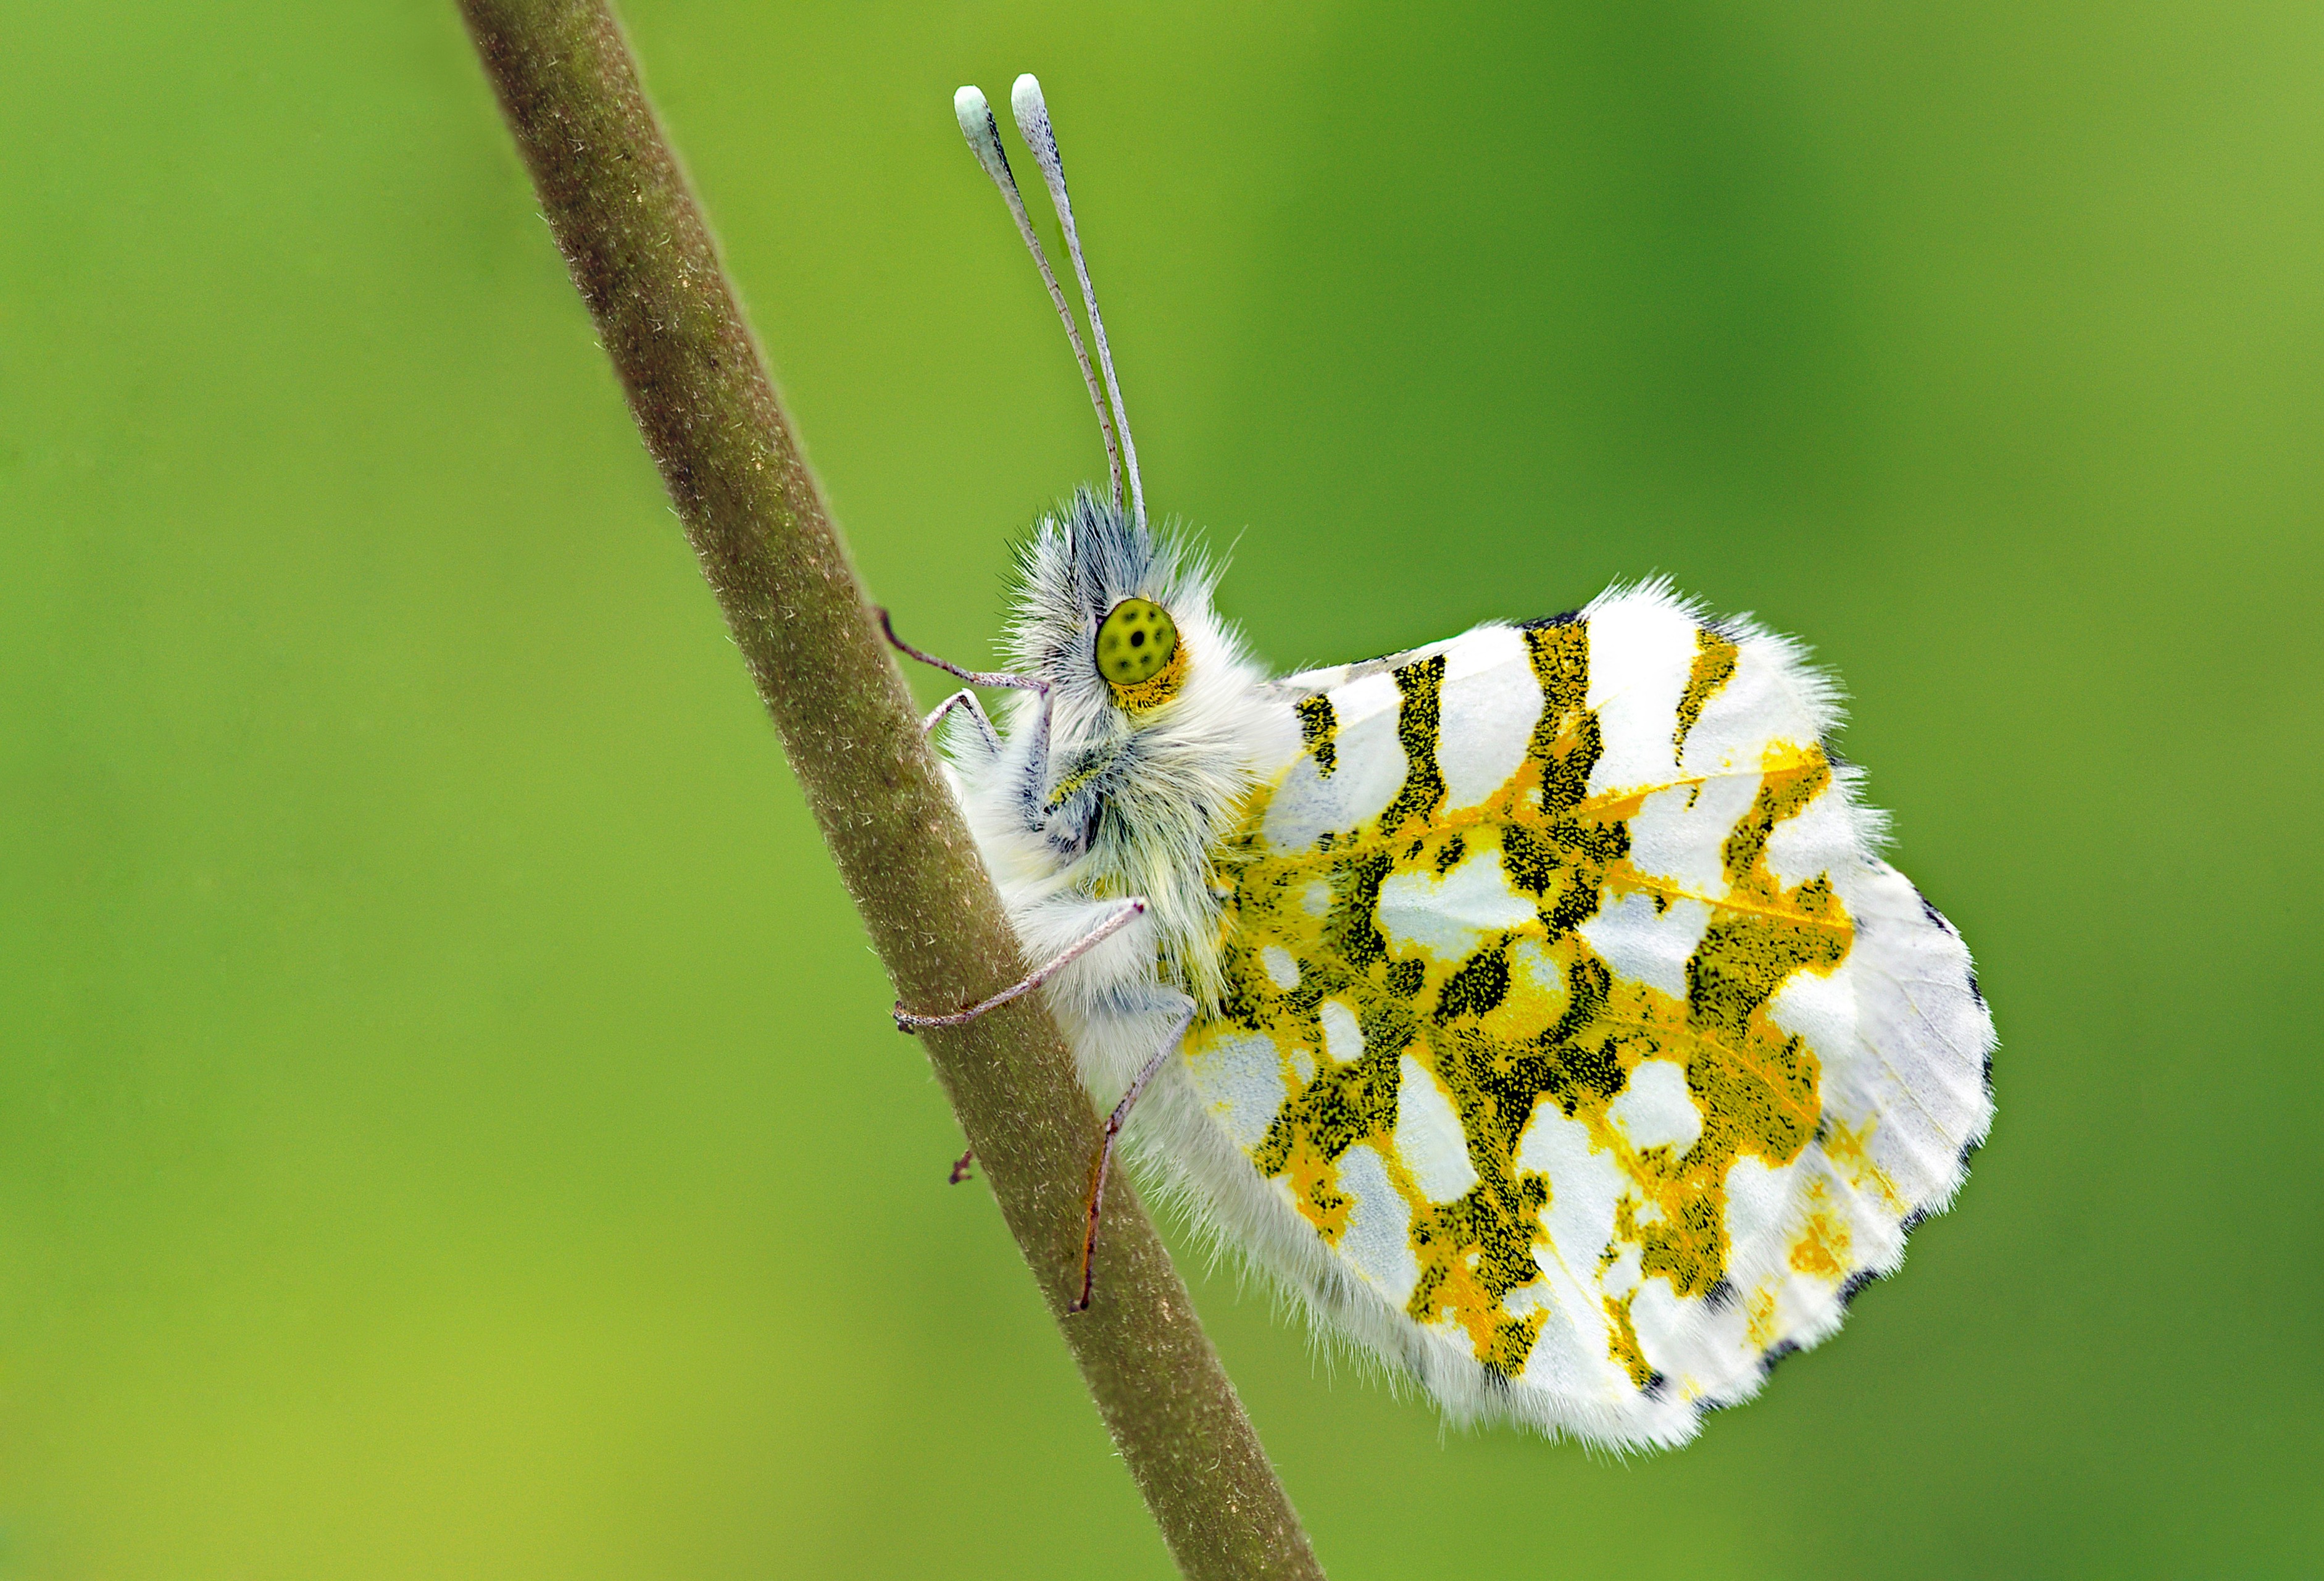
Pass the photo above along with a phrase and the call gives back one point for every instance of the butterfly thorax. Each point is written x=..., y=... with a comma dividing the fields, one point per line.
x=1123, y=800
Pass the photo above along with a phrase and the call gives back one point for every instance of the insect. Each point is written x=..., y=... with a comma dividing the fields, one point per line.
x=1534, y=1005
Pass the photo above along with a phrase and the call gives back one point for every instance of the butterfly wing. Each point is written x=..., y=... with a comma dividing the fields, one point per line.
x=1577, y=1051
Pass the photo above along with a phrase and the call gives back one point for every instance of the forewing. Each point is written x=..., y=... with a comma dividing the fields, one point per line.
x=1571, y=1014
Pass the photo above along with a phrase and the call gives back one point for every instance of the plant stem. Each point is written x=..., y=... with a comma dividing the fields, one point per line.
x=642, y=258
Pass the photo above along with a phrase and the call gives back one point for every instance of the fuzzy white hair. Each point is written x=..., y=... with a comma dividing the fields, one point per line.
x=1107, y=803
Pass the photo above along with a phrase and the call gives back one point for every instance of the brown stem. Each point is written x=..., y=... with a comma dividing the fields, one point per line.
x=618, y=206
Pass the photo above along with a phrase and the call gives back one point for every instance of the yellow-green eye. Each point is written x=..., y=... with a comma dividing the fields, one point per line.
x=1135, y=641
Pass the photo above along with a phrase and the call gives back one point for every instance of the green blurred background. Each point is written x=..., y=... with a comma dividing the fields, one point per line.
x=449, y=1120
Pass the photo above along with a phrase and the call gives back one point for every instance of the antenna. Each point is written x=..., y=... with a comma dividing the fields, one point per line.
x=1033, y=121
x=983, y=134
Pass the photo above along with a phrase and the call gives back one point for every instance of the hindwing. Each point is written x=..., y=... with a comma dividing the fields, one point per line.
x=1584, y=1052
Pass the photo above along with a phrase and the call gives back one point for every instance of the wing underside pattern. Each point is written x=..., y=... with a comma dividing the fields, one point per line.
x=1584, y=1047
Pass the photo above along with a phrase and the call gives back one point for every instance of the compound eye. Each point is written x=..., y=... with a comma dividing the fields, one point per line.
x=1135, y=641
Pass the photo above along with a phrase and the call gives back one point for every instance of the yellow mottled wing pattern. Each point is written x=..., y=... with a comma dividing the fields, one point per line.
x=1582, y=1045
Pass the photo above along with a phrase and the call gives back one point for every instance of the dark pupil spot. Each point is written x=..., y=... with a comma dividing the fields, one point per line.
x=1137, y=639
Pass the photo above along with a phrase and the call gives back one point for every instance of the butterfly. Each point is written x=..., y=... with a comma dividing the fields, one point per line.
x=1534, y=1006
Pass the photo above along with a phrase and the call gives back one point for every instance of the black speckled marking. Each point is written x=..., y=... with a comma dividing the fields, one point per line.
x=1417, y=721
x=1565, y=740
x=1319, y=728
x=1714, y=666
x=1448, y=855
x=1480, y=986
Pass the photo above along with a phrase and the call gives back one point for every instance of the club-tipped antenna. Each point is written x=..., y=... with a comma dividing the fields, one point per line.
x=1033, y=121
x=983, y=134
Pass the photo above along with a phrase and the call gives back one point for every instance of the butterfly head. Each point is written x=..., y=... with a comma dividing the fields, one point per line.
x=1116, y=618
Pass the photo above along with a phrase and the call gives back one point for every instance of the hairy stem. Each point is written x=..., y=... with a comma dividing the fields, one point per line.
x=641, y=254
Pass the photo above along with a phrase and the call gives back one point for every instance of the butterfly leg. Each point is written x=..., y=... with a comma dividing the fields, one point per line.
x=1037, y=766
x=965, y=700
x=973, y=677
x=1124, y=914
x=1104, y=1165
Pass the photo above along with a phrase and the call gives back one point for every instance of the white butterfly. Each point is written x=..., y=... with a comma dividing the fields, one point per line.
x=1535, y=1005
